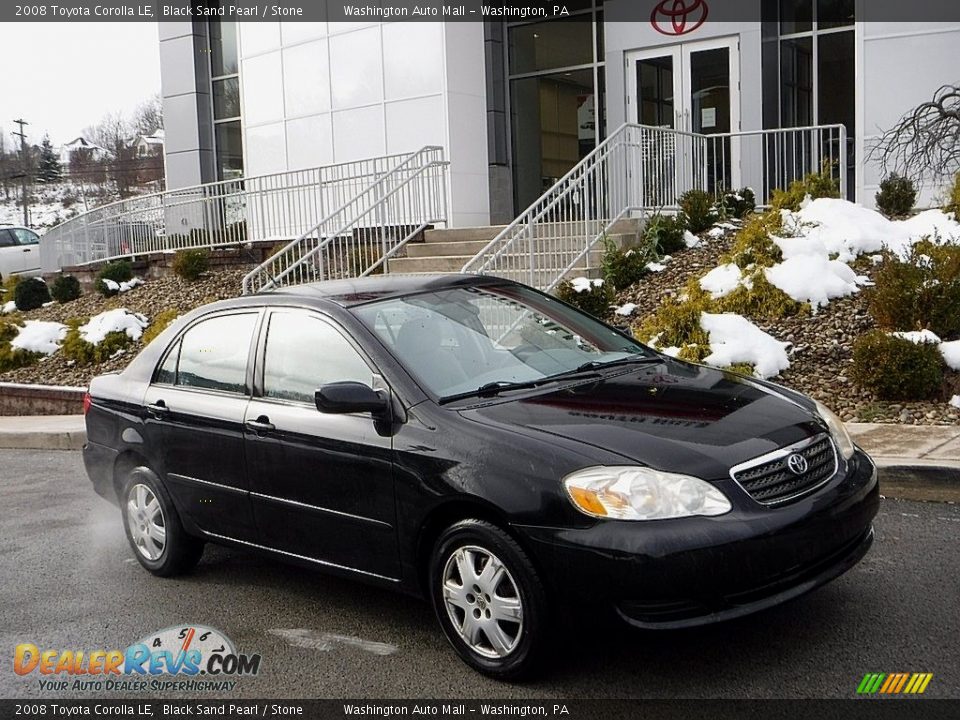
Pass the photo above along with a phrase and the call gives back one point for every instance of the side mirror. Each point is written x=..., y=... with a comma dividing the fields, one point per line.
x=340, y=398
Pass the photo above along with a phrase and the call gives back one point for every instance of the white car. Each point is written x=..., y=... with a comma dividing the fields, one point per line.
x=19, y=251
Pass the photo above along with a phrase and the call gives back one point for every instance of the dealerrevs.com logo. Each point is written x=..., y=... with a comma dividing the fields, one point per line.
x=186, y=657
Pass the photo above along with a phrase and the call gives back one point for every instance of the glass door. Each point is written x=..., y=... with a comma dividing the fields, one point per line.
x=692, y=88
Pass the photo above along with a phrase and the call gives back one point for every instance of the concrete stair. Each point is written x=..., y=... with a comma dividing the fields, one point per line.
x=447, y=251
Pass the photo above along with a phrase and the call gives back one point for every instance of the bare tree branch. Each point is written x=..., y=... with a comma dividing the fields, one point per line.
x=925, y=142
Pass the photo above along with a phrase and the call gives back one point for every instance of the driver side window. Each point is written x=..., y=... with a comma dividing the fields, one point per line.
x=304, y=352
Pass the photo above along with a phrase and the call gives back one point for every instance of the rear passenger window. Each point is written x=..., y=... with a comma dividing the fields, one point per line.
x=303, y=353
x=213, y=354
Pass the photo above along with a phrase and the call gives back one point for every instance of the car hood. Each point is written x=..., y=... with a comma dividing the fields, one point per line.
x=672, y=416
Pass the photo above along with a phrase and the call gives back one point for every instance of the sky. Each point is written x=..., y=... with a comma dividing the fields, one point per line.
x=64, y=77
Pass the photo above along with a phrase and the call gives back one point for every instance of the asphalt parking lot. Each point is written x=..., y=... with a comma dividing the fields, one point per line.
x=69, y=581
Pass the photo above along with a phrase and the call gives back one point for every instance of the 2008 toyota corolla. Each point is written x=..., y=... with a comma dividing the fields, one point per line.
x=478, y=442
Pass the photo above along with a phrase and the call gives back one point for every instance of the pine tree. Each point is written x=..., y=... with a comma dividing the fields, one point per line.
x=49, y=169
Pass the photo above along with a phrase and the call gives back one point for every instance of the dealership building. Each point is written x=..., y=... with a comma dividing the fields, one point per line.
x=517, y=102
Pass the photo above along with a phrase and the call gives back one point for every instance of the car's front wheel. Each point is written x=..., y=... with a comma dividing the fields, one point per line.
x=153, y=526
x=488, y=599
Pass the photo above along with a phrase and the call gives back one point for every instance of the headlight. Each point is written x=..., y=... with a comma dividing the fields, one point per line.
x=638, y=493
x=838, y=430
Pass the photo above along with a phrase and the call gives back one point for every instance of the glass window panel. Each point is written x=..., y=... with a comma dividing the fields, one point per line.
x=554, y=126
x=25, y=237
x=796, y=82
x=223, y=47
x=835, y=87
x=226, y=98
x=229, y=150
x=294, y=366
x=835, y=13
x=796, y=16
x=167, y=374
x=552, y=44
x=6, y=239
x=655, y=86
x=213, y=354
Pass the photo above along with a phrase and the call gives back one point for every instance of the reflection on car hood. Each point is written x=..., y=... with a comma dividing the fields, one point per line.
x=672, y=416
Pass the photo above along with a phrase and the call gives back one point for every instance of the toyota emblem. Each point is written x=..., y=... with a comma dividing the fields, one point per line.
x=797, y=463
x=678, y=17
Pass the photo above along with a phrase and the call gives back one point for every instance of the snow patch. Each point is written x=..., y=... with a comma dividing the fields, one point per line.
x=119, y=320
x=9, y=307
x=919, y=337
x=626, y=310
x=40, y=336
x=734, y=340
x=716, y=232
x=815, y=279
x=848, y=230
x=690, y=240
x=955, y=401
x=951, y=354
x=721, y=281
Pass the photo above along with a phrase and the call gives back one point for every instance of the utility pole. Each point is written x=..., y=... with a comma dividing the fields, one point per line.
x=23, y=168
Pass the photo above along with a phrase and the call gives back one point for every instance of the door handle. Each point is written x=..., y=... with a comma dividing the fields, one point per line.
x=261, y=425
x=26, y=249
x=158, y=408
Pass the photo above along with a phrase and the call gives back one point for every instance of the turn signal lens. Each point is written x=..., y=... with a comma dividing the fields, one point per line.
x=87, y=402
x=639, y=493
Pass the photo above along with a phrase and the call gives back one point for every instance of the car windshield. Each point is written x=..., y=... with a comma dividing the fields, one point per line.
x=461, y=340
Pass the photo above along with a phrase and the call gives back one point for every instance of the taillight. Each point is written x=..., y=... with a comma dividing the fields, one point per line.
x=87, y=402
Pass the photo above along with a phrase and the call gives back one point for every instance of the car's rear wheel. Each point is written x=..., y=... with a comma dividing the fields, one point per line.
x=488, y=599
x=153, y=526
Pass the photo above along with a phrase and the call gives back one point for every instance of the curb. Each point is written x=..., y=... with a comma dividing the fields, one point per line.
x=919, y=480
x=64, y=440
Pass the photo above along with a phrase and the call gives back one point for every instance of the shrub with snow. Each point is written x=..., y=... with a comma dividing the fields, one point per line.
x=103, y=336
x=111, y=275
x=922, y=291
x=594, y=297
x=624, y=267
x=811, y=187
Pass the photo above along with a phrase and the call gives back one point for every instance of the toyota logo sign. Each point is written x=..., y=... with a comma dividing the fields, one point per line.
x=678, y=17
x=797, y=463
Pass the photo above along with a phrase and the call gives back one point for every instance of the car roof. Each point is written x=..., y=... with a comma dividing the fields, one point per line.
x=357, y=291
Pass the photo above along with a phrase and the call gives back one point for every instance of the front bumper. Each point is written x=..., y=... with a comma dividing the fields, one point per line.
x=693, y=571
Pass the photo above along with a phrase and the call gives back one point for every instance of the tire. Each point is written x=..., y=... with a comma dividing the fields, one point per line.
x=468, y=607
x=153, y=527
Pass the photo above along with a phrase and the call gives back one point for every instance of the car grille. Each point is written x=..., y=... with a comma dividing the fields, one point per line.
x=770, y=481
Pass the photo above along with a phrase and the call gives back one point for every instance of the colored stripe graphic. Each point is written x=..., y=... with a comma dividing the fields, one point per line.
x=894, y=683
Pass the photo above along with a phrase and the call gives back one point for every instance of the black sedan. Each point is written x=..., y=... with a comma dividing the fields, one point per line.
x=483, y=444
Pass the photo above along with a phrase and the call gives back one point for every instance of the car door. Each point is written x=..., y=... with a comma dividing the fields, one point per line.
x=11, y=260
x=29, y=244
x=321, y=485
x=195, y=410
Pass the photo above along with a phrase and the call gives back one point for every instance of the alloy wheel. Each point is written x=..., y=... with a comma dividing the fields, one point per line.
x=145, y=521
x=482, y=601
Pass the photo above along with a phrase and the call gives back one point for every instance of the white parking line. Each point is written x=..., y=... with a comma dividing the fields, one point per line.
x=325, y=642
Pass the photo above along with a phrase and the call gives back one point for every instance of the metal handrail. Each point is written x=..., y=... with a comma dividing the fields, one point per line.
x=227, y=212
x=360, y=237
x=639, y=169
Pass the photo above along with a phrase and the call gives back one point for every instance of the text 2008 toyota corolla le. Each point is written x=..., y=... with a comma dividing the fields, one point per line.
x=486, y=445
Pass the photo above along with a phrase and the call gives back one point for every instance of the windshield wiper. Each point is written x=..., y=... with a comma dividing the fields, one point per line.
x=491, y=389
x=584, y=371
x=633, y=359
